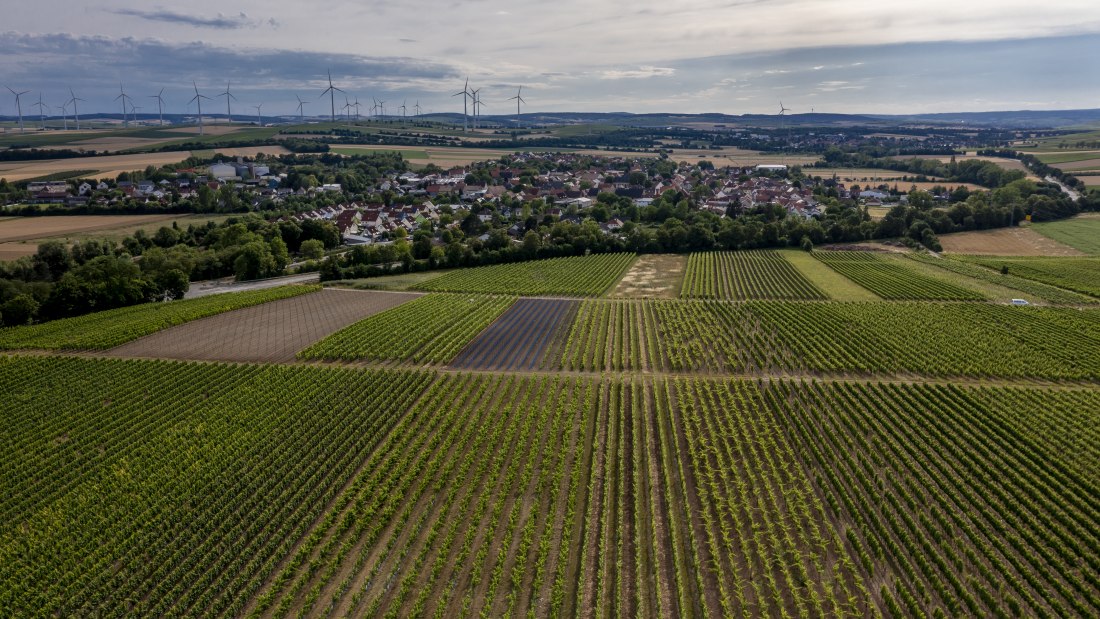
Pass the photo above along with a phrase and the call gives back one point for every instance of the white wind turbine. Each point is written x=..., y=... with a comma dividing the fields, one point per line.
x=259, y=118
x=198, y=99
x=416, y=108
x=403, y=102
x=65, y=114
x=301, y=110
x=125, y=97
x=160, y=104
x=465, y=93
x=41, y=112
x=356, y=105
x=228, y=96
x=76, y=114
x=331, y=90
x=18, y=106
x=518, y=99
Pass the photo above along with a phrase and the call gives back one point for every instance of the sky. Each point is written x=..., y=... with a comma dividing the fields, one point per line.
x=679, y=56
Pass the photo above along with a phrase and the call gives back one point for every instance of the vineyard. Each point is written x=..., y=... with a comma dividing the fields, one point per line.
x=892, y=280
x=431, y=329
x=581, y=276
x=739, y=275
x=959, y=339
x=1077, y=274
x=1039, y=290
x=204, y=489
x=103, y=330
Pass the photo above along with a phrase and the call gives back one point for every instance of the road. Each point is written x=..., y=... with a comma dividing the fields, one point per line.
x=219, y=286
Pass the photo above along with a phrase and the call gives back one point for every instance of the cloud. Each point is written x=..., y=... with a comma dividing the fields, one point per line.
x=645, y=72
x=220, y=22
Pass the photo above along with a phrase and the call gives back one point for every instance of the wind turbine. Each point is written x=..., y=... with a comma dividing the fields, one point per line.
x=125, y=97
x=382, y=110
x=228, y=95
x=356, y=106
x=347, y=106
x=65, y=114
x=301, y=108
x=41, y=116
x=198, y=99
x=18, y=106
x=416, y=107
x=331, y=90
x=465, y=93
x=519, y=99
x=73, y=101
x=477, y=107
x=134, y=110
x=259, y=119
x=403, y=102
x=782, y=111
x=374, y=107
x=160, y=104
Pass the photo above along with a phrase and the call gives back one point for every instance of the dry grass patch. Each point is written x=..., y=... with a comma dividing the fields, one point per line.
x=1019, y=241
x=653, y=276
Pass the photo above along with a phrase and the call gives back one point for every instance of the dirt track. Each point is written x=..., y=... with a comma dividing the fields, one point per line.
x=267, y=332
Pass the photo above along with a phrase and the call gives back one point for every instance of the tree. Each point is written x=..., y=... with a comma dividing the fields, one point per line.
x=54, y=258
x=254, y=262
x=312, y=249
x=19, y=310
x=172, y=284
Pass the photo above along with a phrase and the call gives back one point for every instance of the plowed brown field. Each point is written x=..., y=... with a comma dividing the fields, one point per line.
x=269, y=332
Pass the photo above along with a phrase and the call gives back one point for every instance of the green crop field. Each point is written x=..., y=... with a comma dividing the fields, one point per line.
x=958, y=339
x=892, y=280
x=575, y=276
x=103, y=330
x=758, y=448
x=1081, y=232
x=1037, y=290
x=153, y=488
x=431, y=329
x=763, y=274
x=1077, y=274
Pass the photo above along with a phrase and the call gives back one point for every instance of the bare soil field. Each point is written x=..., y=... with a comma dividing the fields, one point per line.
x=653, y=276
x=11, y=251
x=270, y=332
x=113, y=163
x=1005, y=242
x=521, y=337
x=31, y=228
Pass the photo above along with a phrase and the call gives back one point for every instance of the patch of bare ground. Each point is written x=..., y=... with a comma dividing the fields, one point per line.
x=11, y=251
x=1017, y=241
x=269, y=332
x=653, y=276
x=30, y=228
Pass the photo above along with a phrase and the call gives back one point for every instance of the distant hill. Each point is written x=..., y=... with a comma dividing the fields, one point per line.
x=1021, y=119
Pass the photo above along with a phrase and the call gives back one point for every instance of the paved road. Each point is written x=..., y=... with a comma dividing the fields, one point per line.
x=219, y=286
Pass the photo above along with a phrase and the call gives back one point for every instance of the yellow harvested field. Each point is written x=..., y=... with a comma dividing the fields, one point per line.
x=1020, y=241
x=738, y=157
x=112, y=144
x=114, y=163
x=29, y=228
x=11, y=251
x=873, y=177
x=207, y=129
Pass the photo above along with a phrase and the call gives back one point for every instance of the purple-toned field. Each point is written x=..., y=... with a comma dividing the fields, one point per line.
x=521, y=337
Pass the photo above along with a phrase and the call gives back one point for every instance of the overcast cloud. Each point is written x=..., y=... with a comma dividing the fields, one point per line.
x=732, y=56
